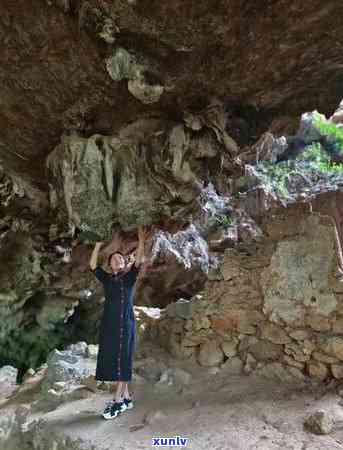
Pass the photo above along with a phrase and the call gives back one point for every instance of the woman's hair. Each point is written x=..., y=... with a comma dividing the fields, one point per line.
x=114, y=253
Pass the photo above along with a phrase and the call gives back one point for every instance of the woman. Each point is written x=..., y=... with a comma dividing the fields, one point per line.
x=117, y=328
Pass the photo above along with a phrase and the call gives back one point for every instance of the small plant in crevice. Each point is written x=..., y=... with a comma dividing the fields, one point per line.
x=319, y=159
x=330, y=167
x=313, y=153
x=223, y=221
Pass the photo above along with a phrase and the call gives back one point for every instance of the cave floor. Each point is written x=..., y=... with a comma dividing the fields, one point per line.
x=214, y=412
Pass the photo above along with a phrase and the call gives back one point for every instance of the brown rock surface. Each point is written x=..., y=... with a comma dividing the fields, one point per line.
x=54, y=77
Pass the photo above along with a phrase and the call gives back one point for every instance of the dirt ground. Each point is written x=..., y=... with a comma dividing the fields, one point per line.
x=214, y=412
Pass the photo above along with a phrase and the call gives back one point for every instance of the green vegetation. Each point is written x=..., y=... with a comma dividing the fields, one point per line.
x=279, y=175
x=331, y=130
x=319, y=159
x=316, y=164
x=224, y=221
x=31, y=347
x=309, y=165
x=330, y=167
x=314, y=153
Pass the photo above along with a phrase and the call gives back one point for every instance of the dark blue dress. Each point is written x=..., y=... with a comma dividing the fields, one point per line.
x=117, y=328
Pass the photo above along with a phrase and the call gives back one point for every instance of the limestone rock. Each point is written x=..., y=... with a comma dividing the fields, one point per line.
x=149, y=369
x=92, y=351
x=213, y=208
x=175, y=376
x=250, y=364
x=229, y=347
x=240, y=320
x=297, y=373
x=318, y=370
x=287, y=292
x=78, y=349
x=274, y=334
x=246, y=342
x=201, y=323
x=308, y=131
x=320, y=422
x=276, y=371
x=143, y=91
x=10, y=427
x=8, y=381
x=334, y=347
x=192, y=338
x=337, y=326
x=181, y=376
x=337, y=370
x=318, y=322
x=66, y=366
x=123, y=65
x=232, y=366
x=267, y=148
x=299, y=335
x=337, y=116
x=181, y=351
x=97, y=181
x=184, y=37
x=300, y=352
x=65, y=391
x=29, y=374
x=8, y=374
x=322, y=357
x=292, y=362
x=210, y=354
x=182, y=261
x=265, y=350
x=120, y=64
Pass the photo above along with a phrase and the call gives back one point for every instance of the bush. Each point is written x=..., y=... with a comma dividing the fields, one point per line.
x=331, y=130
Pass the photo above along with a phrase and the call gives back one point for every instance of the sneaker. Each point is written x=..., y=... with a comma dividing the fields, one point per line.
x=116, y=409
x=128, y=403
x=108, y=407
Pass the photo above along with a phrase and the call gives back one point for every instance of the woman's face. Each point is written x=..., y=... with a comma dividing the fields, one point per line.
x=117, y=262
x=131, y=257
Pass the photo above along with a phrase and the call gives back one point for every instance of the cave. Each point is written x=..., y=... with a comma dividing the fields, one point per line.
x=218, y=127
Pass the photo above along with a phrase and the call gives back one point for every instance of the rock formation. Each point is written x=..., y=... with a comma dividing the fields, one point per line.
x=185, y=119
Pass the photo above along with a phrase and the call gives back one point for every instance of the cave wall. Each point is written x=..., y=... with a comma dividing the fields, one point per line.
x=76, y=73
x=275, y=308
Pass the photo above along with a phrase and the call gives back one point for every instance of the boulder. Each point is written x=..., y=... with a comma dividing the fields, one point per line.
x=210, y=354
x=318, y=370
x=232, y=366
x=66, y=366
x=8, y=374
x=319, y=422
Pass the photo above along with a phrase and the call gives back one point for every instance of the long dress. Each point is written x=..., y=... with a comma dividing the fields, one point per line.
x=117, y=334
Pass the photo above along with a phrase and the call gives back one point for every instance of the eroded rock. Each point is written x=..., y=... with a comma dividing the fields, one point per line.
x=320, y=422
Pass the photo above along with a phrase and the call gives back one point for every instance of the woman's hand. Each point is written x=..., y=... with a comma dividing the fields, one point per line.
x=114, y=245
x=94, y=257
x=143, y=233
